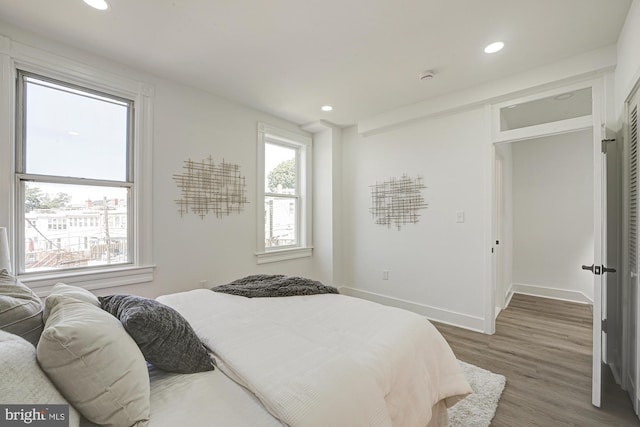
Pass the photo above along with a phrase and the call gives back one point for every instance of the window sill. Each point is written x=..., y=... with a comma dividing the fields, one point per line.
x=95, y=279
x=283, y=255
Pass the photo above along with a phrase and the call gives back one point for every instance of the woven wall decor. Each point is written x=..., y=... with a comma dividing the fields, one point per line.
x=397, y=201
x=207, y=188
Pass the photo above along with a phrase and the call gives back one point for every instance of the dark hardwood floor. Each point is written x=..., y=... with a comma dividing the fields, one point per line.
x=543, y=348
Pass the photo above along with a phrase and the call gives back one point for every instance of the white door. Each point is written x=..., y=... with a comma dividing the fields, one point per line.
x=598, y=268
x=598, y=284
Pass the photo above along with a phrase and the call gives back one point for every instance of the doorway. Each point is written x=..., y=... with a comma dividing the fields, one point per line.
x=566, y=110
x=544, y=217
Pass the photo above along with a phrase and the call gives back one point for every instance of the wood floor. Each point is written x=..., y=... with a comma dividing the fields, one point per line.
x=543, y=347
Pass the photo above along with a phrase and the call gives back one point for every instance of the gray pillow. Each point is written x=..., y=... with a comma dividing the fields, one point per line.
x=165, y=338
x=20, y=309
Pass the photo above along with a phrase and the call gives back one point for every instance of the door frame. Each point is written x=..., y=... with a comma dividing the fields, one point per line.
x=595, y=122
x=500, y=298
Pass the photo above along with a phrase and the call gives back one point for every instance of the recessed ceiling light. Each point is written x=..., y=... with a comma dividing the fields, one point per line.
x=326, y=108
x=98, y=4
x=494, y=47
x=73, y=133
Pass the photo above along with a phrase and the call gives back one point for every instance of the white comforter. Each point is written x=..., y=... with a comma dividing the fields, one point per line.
x=327, y=360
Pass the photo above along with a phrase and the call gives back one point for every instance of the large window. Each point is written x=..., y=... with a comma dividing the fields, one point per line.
x=74, y=176
x=284, y=182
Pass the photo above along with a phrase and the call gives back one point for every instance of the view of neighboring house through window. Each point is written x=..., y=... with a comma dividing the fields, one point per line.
x=281, y=195
x=73, y=169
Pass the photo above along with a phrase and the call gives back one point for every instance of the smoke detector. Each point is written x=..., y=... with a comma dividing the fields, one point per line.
x=426, y=75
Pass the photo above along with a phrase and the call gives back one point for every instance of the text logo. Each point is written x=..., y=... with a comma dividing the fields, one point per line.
x=34, y=415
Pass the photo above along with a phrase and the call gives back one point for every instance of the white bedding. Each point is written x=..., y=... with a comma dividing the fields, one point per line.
x=204, y=399
x=327, y=360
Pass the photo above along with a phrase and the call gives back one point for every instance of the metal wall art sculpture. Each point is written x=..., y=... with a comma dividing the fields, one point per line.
x=209, y=188
x=397, y=201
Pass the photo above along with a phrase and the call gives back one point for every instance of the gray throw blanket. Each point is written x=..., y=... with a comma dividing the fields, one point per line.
x=264, y=285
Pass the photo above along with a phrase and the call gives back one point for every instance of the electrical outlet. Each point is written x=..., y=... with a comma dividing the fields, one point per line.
x=385, y=274
x=203, y=284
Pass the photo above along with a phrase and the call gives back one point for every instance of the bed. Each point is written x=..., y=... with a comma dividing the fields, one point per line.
x=327, y=359
x=310, y=360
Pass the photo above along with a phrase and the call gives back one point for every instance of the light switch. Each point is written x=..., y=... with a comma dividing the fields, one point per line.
x=460, y=216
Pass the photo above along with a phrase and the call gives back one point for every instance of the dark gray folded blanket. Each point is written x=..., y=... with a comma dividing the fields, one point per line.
x=264, y=285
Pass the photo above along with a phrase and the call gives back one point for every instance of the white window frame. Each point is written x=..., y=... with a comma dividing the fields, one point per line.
x=16, y=56
x=303, y=145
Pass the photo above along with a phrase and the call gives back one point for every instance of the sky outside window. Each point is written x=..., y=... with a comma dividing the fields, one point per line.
x=74, y=134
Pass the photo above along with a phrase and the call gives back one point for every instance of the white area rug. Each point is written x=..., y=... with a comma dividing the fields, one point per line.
x=477, y=409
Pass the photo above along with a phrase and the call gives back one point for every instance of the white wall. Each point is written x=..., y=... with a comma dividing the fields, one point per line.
x=553, y=216
x=627, y=71
x=386, y=144
x=327, y=206
x=437, y=266
x=193, y=124
x=188, y=124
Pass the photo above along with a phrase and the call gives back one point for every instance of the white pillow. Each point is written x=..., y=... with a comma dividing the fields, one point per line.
x=74, y=292
x=92, y=360
x=22, y=381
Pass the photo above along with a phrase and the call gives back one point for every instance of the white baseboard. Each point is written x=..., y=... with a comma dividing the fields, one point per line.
x=547, y=292
x=629, y=383
x=432, y=313
x=508, y=296
x=615, y=372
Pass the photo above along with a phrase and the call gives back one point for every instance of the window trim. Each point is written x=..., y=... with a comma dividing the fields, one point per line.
x=14, y=56
x=303, y=146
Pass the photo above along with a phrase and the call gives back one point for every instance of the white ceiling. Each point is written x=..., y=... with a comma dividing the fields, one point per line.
x=290, y=57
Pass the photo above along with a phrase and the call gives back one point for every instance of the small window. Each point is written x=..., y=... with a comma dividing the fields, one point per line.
x=284, y=183
x=74, y=148
x=281, y=195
